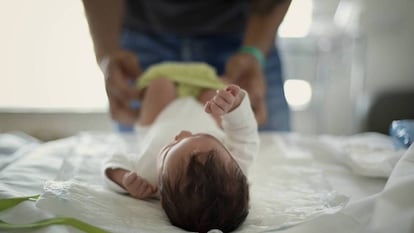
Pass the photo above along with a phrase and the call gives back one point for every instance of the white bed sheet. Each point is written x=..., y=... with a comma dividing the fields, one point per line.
x=317, y=173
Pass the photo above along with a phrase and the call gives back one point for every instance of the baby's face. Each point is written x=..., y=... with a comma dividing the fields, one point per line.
x=174, y=157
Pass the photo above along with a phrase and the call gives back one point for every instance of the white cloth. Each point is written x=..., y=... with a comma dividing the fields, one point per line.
x=296, y=181
x=285, y=191
x=239, y=136
x=367, y=154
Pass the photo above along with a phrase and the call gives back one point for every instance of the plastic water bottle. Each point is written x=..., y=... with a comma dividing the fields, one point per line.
x=402, y=131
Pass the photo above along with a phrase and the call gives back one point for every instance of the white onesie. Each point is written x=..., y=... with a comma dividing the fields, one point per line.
x=239, y=135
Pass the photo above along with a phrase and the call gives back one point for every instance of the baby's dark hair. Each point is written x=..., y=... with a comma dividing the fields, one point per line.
x=208, y=195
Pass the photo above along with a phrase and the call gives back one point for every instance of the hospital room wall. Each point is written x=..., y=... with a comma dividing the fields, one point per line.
x=352, y=69
x=390, y=45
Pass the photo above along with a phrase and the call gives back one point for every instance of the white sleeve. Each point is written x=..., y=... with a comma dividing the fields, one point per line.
x=116, y=161
x=241, y=134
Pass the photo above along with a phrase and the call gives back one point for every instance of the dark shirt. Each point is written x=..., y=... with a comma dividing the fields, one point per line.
x=187, y=17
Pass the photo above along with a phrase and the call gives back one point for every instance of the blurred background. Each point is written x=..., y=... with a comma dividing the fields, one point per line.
x=348, y=64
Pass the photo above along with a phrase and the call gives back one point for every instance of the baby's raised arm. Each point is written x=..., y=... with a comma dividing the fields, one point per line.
x=225, y=100
x=232, y=105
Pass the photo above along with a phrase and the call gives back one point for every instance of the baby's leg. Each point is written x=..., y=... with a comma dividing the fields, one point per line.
x=159, y=93
x=206, y=95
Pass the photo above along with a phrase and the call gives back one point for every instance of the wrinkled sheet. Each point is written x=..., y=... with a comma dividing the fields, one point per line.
x=299, y=183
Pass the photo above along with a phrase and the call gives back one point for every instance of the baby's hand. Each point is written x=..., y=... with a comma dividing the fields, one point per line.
x=224, y=101
x=137, y=186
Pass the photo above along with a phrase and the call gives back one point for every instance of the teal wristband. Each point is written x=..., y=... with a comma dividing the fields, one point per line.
x=255, y=52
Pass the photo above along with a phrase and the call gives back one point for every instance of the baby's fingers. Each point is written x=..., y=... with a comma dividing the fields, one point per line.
x=221, y=103
x=148, y=191
x=216, y=110
x=129, y=178
x=141, y=188
x=207, y=107
x=233, y=89
x=225, y=95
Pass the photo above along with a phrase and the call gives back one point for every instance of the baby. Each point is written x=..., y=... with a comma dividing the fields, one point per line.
x=200, y=173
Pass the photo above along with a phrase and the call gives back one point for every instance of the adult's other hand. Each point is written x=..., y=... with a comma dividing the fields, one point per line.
x=120, y=70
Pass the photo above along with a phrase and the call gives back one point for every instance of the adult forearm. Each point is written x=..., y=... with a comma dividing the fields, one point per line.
x=263, y=23
x=104, y=19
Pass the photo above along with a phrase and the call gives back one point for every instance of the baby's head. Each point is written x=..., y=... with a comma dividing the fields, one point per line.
x=201, y=185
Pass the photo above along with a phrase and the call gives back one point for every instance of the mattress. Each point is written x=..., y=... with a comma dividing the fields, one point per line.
x=298, y=183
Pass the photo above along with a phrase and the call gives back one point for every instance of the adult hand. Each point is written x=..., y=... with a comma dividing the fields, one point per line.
x=244, y=70
x=121, y=70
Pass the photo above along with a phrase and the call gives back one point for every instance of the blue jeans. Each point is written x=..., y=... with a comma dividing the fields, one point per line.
x=153, y=48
